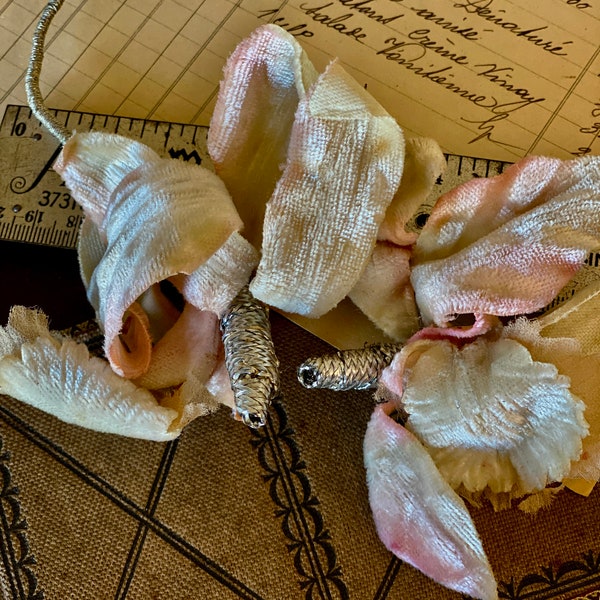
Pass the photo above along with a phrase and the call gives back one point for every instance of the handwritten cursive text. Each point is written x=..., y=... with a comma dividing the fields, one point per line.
x=483, y=9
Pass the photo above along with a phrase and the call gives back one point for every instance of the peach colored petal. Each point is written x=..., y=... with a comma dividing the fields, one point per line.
x=191, y=345
x=508, y=244
x=418, y=516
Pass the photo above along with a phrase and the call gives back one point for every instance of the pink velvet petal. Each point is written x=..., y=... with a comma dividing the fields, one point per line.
x=418, y=516
x=156, y=218
x=263, y=80
x=508, y=244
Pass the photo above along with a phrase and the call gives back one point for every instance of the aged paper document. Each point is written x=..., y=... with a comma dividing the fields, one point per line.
x=489, y=78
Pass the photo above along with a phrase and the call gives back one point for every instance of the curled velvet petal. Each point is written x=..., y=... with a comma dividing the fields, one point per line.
x=321, y=155
x=508, y=244
x=418, y=516
x=215, y=283
x=93, y=165
x=264, y=78
x=157, y=218
x=343, y=167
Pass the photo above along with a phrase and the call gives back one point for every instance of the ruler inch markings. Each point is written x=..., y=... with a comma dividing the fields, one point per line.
x=35, y=205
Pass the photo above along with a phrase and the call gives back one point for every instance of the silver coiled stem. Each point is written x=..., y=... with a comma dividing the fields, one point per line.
x=250, y=357
x=347, y=369
x=32, y=77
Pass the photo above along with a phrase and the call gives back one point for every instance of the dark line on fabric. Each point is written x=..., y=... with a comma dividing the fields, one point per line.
x=8, y=557
x=129, y=507
x=557, y=110
x=389, y=577
x=139, y=539
x=303, y=528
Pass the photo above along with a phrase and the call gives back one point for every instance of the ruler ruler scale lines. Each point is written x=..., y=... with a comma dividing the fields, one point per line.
x=35, y=206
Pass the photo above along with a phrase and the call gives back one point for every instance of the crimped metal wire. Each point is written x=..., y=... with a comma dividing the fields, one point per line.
x=32, y=77
x=347, y=369
x=250, y=357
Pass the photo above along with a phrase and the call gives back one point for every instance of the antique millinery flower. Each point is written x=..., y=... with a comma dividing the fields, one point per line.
x=493, y=419
x=495, y=409
x=166, y=255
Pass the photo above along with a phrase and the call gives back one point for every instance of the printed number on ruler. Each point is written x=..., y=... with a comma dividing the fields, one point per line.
x=35, y=205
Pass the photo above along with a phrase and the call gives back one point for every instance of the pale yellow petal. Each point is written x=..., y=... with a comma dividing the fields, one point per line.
x=424, y=163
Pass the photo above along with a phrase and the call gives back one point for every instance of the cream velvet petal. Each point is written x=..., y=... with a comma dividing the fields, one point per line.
x=343, y=167
x=424, y=163
x=61, y=378
x=161, y=218
x=214, y=284
x=263, y=80
x=384, y=292
x=508, y=244
x=418, y=516
x=492, y=417
x=91, y=247
x=93, y=165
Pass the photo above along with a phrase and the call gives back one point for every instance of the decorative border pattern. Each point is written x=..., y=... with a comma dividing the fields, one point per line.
x=15, y=552
x=572, y=576
x=302, y=523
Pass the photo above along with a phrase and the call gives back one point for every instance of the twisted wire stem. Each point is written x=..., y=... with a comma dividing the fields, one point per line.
x=250, y=357
x=347, y=369
x=34, y=68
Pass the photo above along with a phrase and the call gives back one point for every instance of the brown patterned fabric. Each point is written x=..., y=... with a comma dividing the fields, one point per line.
x=225, y=512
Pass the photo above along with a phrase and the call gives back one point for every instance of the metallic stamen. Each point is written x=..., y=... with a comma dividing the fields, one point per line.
x=347, y=369
x=250, y=357
x=32, y=77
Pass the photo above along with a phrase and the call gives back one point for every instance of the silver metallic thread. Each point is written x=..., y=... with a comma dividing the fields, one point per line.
x=347, y=369
x=32, y=77
x=250, y=357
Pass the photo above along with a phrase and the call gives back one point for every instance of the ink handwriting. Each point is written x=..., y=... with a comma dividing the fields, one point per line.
x=431, y=54
x=592, y=130
x=483, y=9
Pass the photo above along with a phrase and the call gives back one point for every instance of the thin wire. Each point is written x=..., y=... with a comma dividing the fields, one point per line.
x=32, y=77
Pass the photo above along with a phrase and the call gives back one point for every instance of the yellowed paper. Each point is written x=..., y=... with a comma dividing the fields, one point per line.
x=488, y=78
x=583, y=487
